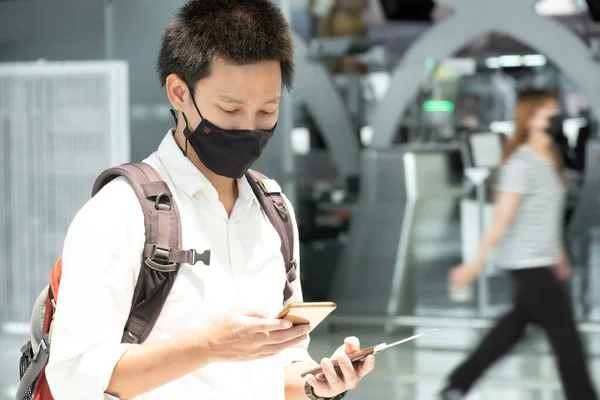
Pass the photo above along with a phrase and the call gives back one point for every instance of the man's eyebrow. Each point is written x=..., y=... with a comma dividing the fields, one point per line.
x=228, y=99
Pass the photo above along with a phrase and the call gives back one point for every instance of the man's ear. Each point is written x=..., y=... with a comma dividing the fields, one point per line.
x=177, y=91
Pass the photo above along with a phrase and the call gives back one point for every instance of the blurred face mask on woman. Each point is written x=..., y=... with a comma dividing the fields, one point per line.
x=555, y=127
x=548, y=120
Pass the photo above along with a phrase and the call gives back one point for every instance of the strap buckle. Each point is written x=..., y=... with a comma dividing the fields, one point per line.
x=163, y=199
x=204, y=257
x=281, y=210
x=133, y=339
x=159, y=258
x=43, y=346
x=160, y=254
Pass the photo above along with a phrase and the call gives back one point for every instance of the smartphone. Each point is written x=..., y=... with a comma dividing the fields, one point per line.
x=307, y=313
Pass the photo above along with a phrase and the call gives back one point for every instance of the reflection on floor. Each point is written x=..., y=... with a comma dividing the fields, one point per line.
x=410, y=372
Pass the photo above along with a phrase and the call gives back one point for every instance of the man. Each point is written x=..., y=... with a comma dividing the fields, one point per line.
x=223, y=64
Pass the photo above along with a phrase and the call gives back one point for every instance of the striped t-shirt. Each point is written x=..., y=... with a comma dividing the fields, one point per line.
x=534, y=238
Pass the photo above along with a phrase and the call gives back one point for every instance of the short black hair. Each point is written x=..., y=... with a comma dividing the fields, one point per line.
x=242, y=32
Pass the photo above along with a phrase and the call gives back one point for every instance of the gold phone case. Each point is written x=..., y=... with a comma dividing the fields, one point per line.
x=307, y=313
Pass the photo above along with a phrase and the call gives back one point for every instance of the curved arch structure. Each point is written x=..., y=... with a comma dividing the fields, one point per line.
x=323, y=100
x=471, y=19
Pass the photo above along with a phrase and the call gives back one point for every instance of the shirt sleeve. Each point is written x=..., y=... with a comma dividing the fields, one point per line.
x=514, y=177
x=298, y=353
x=101, y=261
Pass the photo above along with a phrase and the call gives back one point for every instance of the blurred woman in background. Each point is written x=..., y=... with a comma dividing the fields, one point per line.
x=527, y=228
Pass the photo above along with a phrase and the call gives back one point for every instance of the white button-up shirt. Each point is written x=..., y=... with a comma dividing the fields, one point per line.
x=101, y=262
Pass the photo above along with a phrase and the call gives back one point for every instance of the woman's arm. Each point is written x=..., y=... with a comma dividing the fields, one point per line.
x=514, y=182
x=507, y=204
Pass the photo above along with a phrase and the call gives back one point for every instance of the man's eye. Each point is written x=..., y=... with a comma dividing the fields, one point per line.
x=267, y=112
x=229, y=111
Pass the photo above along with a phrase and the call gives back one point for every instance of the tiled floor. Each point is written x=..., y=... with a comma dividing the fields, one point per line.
x=411, y=372
x=418, y=371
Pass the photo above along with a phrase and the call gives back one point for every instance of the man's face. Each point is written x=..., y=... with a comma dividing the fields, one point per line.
x=238, y=96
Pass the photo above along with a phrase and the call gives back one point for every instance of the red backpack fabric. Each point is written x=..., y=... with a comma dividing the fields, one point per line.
x=162, y=257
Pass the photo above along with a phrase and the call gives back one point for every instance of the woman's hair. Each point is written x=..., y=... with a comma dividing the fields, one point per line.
x=527, y=105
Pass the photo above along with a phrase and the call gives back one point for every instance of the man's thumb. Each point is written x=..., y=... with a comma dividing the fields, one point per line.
x=351, y=344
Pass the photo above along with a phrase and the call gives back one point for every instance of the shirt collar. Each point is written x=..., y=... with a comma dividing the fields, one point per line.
x=245, y=191
x=186, y=177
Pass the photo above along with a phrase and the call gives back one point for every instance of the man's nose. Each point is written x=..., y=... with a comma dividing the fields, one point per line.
x=249, y=122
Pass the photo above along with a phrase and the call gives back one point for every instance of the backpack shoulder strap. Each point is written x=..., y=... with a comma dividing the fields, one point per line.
x=162, y=254
x=269, y=195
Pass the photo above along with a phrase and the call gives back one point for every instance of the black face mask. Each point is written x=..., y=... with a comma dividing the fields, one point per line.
x=555, y=127
x=225, y=152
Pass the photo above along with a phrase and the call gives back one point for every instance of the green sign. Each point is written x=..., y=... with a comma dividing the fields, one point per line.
x=444, y=106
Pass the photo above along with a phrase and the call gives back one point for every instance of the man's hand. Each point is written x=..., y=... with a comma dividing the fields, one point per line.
x=329, y=384
x=250, y=335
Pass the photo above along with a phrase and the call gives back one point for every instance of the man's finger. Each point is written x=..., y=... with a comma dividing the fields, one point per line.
x=350, y=377
x=282, y=336
x=330, y=373
x=276, y=348
x=253, y=312
x=365, y=367
x=318, y=385
x=267, y=324
x=321, y=377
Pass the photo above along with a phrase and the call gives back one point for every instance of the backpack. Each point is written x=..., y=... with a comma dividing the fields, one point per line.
x=162, y=257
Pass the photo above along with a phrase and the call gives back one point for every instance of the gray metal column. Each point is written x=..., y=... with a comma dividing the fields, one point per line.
x=109, y=29
x=328, y=111
x=406, y=224
x=363, y=282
